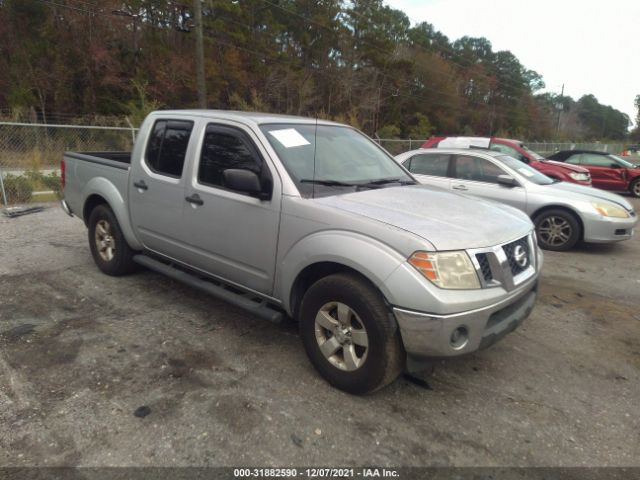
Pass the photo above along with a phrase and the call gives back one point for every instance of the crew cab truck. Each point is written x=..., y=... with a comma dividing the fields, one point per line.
x=519, y=151
x=287, y=216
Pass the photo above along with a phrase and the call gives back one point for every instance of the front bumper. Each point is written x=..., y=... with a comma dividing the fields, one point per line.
x=598, y=229
x=429, y=335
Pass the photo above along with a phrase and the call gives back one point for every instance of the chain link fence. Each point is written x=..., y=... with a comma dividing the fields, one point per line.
x=30, y=156
x=397, y=145
x=546, y=148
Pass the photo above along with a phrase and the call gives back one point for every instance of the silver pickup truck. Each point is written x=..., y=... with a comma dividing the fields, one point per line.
x=311, y=219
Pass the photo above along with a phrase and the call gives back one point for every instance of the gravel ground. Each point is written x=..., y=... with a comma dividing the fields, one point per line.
x=80, y=352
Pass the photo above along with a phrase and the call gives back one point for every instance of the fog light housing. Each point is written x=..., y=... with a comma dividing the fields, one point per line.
x=459, y=338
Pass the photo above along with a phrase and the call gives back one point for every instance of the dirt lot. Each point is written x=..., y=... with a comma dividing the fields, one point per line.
x=80, y=352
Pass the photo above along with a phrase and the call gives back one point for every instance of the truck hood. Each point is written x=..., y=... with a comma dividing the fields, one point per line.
x=449, y=221
x=573, y=191
x=567, y=166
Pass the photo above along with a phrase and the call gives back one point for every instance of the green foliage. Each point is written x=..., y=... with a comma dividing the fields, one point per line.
x=422, y=129
x=18, y=189
x=140, y=105
x=389, y=131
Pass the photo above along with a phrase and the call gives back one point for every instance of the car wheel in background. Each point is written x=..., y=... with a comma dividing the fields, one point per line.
x=350, y=335
x=557, y=230
x=634, y=189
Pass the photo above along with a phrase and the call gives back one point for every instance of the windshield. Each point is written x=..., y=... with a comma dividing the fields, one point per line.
x=526, y=171
x=535, y=155
x=330, y=160
x=623, y=161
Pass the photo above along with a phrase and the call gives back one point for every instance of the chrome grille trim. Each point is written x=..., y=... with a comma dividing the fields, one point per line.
x=500, y=271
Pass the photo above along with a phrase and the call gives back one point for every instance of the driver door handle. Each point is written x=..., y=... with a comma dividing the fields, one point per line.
x=195, y=199
x=460, y=187
x=141, y=185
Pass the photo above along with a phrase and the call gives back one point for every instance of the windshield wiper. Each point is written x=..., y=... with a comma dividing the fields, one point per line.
x=328, y=183
x=385, y=181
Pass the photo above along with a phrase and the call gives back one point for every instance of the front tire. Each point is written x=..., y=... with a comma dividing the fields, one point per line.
x=557, y=230
x=350, y=335
x=109, y=249
x=634, y=189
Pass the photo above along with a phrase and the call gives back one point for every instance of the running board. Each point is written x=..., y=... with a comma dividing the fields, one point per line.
x=259, y=308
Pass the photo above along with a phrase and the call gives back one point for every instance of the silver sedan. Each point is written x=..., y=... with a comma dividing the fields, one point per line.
x=563, y=213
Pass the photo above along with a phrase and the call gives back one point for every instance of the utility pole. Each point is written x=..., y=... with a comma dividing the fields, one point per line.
x=202, y=88
x=560, y=107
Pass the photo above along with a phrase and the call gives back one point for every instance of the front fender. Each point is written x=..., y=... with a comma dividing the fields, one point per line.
x=371, y=258
x=107, y=190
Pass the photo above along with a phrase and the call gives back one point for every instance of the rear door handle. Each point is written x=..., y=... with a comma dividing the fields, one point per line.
x=460, y=187
x=195, y=199
x=141, y=185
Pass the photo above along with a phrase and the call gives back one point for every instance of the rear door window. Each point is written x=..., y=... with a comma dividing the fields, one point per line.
x=476, y=169
x=434, y=164
x=167, y=147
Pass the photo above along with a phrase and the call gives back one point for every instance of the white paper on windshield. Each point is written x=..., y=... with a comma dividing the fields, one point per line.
x=289, y=137
x=525, y=172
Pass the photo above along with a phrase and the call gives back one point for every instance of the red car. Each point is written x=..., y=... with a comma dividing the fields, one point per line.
x=518, y=150
x=608, y=172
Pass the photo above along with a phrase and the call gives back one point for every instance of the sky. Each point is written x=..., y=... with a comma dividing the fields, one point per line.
x=589, y=46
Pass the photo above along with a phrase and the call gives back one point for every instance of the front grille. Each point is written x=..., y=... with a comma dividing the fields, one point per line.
x=483, y=260
x=510, y=252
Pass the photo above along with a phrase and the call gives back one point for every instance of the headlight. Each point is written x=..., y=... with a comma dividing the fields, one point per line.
x=610, y=210
x=452, y=270
x=580, y=177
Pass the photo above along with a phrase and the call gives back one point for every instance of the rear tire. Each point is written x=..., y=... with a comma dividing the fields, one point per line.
x=557, y=230
x=634, y=189
x=109, y=248
x=350, y=335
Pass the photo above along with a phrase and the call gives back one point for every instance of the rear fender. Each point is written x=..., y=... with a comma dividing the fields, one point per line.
x=104, y=188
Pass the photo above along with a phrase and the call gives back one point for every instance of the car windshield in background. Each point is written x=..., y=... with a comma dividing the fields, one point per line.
x=535, y=155
x=329, y=160
x=526, y=171
x=622, y=161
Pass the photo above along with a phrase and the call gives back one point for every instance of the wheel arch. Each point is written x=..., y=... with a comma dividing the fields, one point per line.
x=99, y=191
x=325, y=253
x=314, y=272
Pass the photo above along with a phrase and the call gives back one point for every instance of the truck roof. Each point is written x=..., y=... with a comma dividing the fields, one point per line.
x=256, y=118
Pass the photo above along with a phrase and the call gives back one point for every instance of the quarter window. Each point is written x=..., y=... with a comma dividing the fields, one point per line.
x=436, y=165
x=167, y=147
x=476, y=169
x=224, y=148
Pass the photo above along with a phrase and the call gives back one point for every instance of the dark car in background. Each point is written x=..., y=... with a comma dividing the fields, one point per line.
x=608, y=172
x=518, y=150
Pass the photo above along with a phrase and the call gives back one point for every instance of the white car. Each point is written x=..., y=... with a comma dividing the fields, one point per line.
x=563, y=213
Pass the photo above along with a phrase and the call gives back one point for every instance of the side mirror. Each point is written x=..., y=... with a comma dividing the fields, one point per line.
x=507, y=181
x=244, y=181
x=615, y=165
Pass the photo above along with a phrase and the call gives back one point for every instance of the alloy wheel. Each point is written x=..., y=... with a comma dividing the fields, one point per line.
x=555, y=231
x=105, y=242
x=341, y=336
